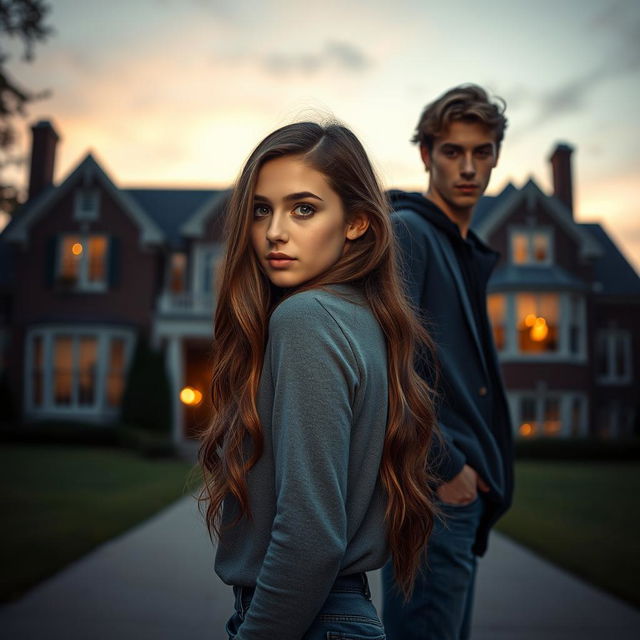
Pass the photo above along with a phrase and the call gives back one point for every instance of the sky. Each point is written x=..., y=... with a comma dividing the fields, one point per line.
x=177, y=93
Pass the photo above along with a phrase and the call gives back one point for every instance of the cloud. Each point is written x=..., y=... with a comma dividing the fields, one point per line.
x=620, y=20
x=334, y=54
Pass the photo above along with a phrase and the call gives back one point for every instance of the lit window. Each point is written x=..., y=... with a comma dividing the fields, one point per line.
x=528, y=423
x=531, y=246
x=551, y=425
x=116, y=372
x=86, y=370
x=178, y=273
x=537, y=322
x=82, y=263
x=63, y=371
x=497, y=308
x=520, y=247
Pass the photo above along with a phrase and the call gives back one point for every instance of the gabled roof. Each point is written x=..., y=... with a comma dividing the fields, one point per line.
x=612, y=270
x=487, y=204
x=528, y=196
x=88, y=169
x=174, y=209
x=215, y=206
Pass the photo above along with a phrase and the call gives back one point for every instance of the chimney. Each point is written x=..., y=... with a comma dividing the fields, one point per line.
x=43, y=155
x=561, y=168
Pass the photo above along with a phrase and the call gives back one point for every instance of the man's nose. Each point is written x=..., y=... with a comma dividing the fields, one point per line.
x=468, y=168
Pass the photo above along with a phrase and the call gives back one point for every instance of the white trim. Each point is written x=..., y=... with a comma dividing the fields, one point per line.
x=193, y=227
x=174, y=363
x=99, y=411
x=511, y=352
x=83, y=174
x=528, y=195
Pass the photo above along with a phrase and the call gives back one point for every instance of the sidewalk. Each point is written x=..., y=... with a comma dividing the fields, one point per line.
x=157, y=582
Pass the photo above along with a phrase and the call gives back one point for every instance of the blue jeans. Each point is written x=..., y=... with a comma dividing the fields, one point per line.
x=347, y=614
x=442, y=601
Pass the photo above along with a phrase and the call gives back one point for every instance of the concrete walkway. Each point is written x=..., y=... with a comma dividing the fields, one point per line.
x=156, y=582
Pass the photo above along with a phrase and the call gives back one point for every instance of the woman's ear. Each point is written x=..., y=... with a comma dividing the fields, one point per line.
x=357, y=226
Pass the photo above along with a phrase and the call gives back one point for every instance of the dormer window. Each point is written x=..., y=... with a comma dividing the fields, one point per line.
x=531, y=246
x=86, y=206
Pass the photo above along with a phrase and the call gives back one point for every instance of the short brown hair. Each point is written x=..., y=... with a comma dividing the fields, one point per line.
x=466, y=103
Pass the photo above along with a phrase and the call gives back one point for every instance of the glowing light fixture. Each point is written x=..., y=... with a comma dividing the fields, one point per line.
x=190, y=396
x=539, y=331
x=526, y=430
x=76, y=248
x=529, y=320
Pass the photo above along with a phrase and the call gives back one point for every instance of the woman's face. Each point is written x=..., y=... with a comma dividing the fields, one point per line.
x=299, y=224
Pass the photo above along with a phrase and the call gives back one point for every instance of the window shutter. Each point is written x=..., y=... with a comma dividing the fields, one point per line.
x=114, y=262
x=50, y=261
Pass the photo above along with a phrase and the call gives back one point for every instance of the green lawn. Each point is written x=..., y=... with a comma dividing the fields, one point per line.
x=58, y=503
x=584, y=516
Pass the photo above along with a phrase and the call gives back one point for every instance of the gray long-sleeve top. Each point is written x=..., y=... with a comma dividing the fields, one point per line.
x=316, y=500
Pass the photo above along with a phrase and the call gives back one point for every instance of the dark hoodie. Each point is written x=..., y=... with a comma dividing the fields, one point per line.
x=475, y=421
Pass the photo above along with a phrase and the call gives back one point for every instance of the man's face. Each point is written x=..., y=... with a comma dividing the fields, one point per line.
x=460, y=165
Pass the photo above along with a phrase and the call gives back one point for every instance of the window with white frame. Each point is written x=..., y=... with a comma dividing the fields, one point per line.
x=548, y=414
x=497, y=309
x=613, y=356
x=81, y=372
x=538, y=325
x=82, y=262
x=531, y=246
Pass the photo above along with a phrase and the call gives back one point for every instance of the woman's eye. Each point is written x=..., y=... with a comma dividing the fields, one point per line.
x=260, y=211
x=304, y=210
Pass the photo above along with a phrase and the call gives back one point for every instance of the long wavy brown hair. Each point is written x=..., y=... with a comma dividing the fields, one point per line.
x=246, y=299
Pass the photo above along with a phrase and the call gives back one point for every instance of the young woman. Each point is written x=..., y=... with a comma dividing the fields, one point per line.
x=315, y=459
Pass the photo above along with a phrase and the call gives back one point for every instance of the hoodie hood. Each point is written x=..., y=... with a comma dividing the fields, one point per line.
x=434, y=214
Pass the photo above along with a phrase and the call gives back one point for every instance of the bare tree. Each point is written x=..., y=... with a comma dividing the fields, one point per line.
x=23, y=20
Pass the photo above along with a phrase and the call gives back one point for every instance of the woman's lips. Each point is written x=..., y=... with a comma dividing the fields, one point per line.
x=279, y=260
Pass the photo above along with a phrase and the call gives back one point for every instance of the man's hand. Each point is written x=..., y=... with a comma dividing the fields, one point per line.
x=463, y=489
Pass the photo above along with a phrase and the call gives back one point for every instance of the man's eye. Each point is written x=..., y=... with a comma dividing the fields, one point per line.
x=304, y=210
x=483, y=153
x=260, y=211
x=450, y=153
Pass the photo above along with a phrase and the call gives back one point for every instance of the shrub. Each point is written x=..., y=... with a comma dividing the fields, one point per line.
x=146, y=403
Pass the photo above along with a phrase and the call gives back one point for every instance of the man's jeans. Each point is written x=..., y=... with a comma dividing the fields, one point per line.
x=441, y=605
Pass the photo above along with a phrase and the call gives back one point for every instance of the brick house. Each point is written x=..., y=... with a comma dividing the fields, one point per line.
x=565, y=307
x=87, y=268
x=93, y=268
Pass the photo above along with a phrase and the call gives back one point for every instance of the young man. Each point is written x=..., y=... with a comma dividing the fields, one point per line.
x=447, y=267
